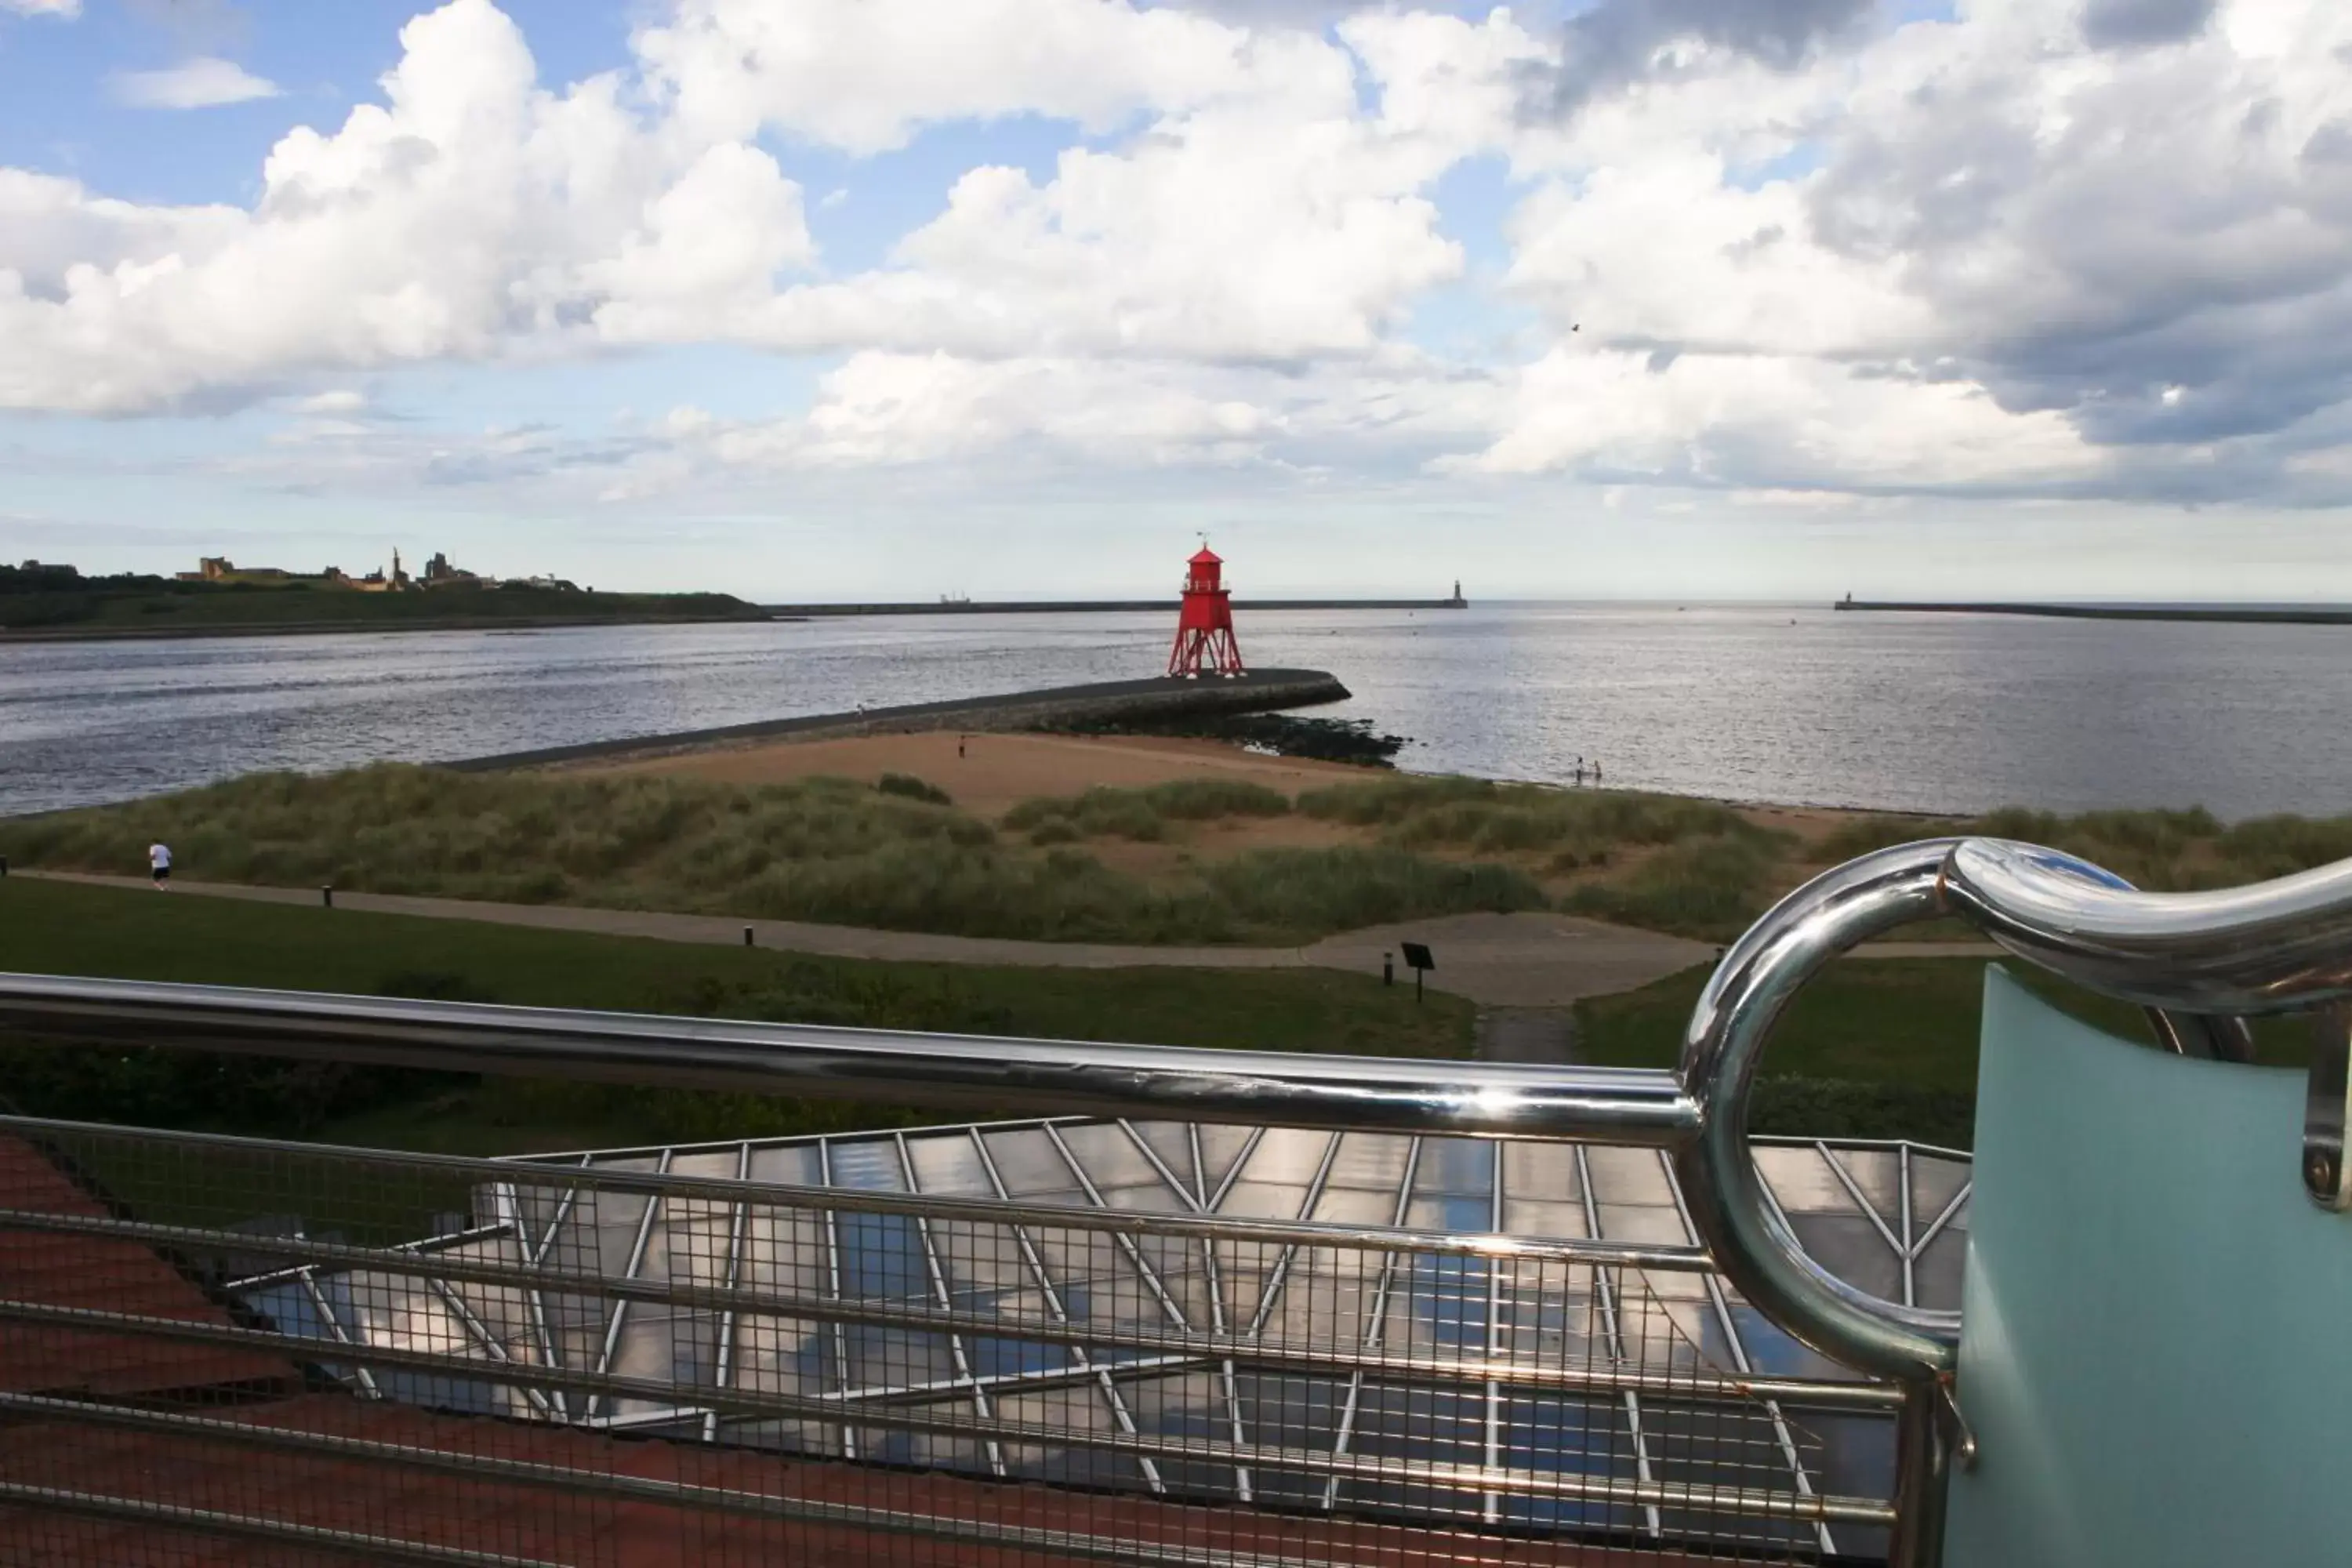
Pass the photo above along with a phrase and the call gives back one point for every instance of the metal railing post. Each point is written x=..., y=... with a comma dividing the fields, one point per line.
x=1923, y=1474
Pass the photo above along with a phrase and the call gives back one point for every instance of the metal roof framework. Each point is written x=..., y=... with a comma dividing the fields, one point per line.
x=1889, y=1217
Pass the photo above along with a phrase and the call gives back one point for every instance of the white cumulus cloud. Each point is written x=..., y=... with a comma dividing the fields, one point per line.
x=204, y=82
x=865, y=75
x=469, y=212
x=2014, y=250
x=67, y=9
x=2038, y=247
x=885, y=408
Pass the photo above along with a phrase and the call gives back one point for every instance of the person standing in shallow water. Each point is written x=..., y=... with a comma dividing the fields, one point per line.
x=159, y=864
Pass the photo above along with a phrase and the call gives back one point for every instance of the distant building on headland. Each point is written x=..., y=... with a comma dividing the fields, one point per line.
x=221, y=569
x=439, y=573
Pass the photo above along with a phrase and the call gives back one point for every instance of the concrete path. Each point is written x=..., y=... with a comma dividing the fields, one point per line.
x=1529, y=960
x=1534, y=1034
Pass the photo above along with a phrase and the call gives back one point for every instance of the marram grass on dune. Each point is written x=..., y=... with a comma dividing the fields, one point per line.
x=818, y=849
x=1142, y=814
x=1190, y=860
x=2164, y=851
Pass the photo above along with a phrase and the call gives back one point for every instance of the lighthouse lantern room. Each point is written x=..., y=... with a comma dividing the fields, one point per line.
x=1204, y=626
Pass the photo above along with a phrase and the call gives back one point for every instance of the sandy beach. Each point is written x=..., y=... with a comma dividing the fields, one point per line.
x=989, y=774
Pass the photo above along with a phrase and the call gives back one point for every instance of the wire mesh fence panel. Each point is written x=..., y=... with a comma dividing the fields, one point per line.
x=176, y=1389
x=1050, y=1342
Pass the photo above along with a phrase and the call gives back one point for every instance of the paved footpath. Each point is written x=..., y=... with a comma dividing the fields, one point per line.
x=1528, y=960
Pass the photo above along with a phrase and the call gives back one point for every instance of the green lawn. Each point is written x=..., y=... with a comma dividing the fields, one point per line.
x=53, y=928
x=1872, y=1048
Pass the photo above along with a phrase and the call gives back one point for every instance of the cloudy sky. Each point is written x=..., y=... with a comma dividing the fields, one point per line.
x=836, y=298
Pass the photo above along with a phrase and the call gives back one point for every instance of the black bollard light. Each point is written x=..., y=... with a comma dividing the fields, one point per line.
x=327, y=895
x=747, y=936
x=1387, y=969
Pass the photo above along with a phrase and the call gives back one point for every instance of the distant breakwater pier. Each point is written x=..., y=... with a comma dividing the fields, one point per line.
x=1091, y=606
x=1114, y=701
x=2258, y=614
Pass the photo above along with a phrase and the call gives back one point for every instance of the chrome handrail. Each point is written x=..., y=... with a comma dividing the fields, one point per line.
x=2197, y=960
x=2271, y=947
x=988, y=1073
x=1729, y=1026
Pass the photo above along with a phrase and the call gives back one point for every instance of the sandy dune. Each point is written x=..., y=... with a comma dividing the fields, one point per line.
x=996, y=773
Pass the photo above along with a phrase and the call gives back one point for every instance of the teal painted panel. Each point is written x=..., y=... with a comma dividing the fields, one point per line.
x=2155, y=1354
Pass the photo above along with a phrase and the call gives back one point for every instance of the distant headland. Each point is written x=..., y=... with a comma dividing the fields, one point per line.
x=44, y=602
x=49, y=601
x=2273, y=614
x=957, y=604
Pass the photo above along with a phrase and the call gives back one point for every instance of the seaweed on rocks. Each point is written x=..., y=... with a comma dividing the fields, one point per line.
x=1321, y=739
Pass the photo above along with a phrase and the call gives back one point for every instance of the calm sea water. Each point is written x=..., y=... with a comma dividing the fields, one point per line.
x=1793, y=704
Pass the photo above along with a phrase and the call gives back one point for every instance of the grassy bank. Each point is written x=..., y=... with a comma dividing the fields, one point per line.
x=819, y=849
x=1199, y=859
x=1695, y=867
x=1692, y=867
x=2173, y=851
x=54, y=928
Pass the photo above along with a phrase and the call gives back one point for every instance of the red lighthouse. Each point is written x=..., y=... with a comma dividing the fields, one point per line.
x=1204, y=628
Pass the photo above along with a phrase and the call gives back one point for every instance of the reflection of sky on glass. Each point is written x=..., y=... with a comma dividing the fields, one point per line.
x=1435, y=1308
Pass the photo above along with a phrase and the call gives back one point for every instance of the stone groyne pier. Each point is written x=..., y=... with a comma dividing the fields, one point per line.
x=1124, y=701
x=2249, y=614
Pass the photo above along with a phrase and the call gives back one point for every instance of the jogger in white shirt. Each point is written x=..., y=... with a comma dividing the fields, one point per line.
x=159, y=864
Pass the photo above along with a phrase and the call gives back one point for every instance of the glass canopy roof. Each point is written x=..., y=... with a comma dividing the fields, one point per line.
x=1890, y=1219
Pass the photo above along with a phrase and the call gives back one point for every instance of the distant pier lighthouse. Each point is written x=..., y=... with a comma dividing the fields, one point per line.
x=1204, y=626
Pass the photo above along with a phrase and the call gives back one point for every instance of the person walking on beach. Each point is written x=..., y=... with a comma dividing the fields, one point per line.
x=159, y=864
